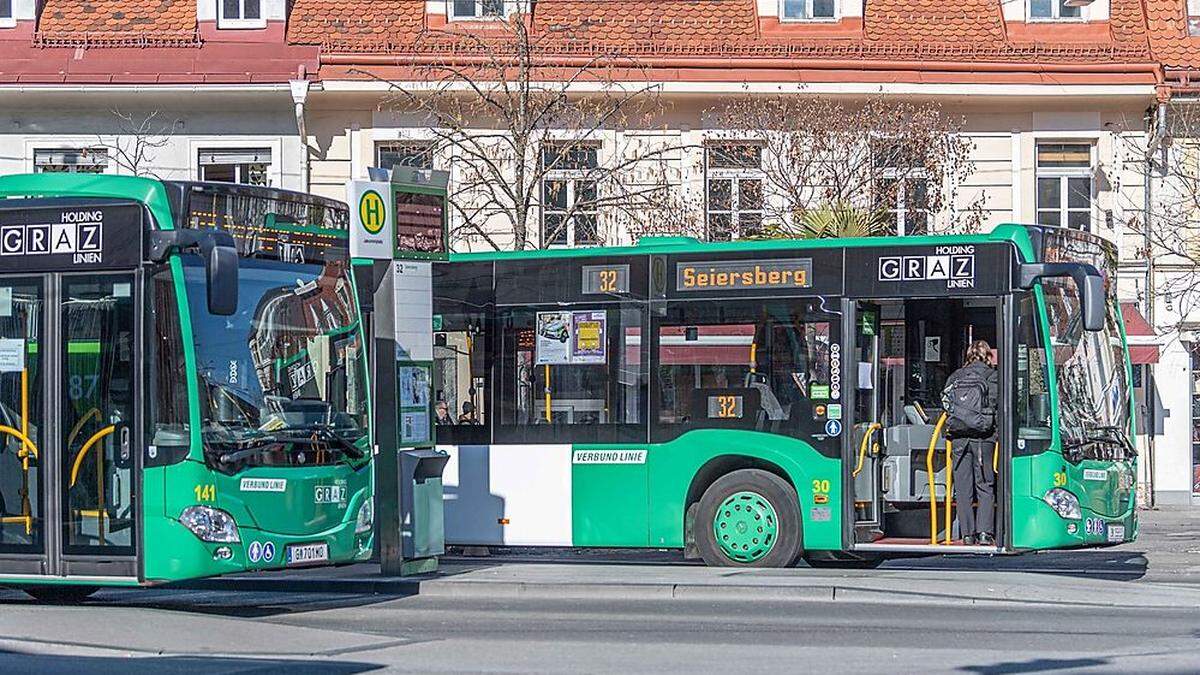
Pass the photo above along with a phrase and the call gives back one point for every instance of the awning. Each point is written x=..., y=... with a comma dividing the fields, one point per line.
x=1143, y=347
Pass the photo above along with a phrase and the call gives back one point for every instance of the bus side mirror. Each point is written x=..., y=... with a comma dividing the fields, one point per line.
x=219, y=252
x=1087, y=280
x=221, y=268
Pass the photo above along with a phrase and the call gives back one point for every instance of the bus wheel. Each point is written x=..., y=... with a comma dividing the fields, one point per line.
x=60, y=595
x=836, y=561
x=749, y=518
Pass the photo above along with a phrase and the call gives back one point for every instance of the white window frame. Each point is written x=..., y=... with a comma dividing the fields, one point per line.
x=1055, y=13
x=239, y=23
x=571, y=177
x=735, y=176
x=9, y=20
x=1192, y=17
x=108, y=166
x=239, y=167
x=426, y=145
x=808, y=7
x=451, y=15
x=899, y=205
x=1062, y=174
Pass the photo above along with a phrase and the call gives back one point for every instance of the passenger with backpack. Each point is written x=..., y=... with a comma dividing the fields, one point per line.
x=969, y=400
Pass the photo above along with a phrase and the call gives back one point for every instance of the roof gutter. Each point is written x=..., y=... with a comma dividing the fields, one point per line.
x=754, y=63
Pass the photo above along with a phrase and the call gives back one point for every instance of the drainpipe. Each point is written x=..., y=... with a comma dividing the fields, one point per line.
x=1151, y=395
x=299, y=97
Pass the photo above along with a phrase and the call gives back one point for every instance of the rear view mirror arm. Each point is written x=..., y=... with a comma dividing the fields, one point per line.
x=1087, y=280
x=219, y=251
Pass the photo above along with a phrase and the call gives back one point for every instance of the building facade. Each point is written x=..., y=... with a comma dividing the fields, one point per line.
x=1061, y=106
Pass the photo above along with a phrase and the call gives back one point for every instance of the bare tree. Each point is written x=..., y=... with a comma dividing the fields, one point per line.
x=830, y=165
x=1163, y=228
x=539, y=146
x=138, y=140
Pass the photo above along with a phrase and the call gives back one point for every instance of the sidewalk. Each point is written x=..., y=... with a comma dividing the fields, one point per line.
x=633, y=582
x=1161, y=569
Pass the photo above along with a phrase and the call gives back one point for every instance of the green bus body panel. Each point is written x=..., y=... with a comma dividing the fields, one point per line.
x=671, y=245
x=173, y=553
x=610, y=503
x=643, y=504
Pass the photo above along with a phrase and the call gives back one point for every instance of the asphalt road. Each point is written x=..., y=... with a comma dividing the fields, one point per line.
x=230, y=631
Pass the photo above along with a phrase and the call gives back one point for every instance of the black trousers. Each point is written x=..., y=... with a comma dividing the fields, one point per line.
x=974, y=483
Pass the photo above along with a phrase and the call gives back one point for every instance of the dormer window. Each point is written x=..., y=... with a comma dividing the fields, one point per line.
x=241, y=14
x=1054, y=10
x=1193, y=18
x=807, y=10
x=478, y=9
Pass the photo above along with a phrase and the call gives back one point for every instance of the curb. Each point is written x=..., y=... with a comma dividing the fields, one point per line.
x=511, y=590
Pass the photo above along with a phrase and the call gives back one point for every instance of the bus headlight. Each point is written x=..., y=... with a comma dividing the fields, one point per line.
x=366, y=517
x=1065, y=504
x=211, y=525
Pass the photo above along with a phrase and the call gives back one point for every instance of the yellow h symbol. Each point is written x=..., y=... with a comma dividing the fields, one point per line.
x=372, y=212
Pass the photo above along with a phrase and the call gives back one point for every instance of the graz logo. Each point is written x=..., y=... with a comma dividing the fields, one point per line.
x=953, y=264
x=81, y=234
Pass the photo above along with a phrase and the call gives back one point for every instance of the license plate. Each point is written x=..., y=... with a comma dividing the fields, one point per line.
x=1116, y=533
x=307, y=553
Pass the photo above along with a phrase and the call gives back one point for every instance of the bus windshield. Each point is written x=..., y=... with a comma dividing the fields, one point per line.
x=1093, y=390
x=283, y=380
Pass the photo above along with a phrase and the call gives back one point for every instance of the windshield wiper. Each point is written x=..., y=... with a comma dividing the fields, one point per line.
x=314, y=436
x=1108, y=434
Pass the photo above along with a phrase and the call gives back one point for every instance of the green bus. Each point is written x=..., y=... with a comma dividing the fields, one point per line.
x=758, y=402
x=183, y=383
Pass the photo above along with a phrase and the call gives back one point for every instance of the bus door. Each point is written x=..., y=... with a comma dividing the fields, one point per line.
x=69, y=432
x=867, y=428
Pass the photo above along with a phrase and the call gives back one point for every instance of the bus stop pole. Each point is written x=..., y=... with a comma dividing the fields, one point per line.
x=384, y=387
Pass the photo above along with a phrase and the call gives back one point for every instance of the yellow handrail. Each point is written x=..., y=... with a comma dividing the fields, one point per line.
x=996, y=459
x=548, y=415
x=86, y=447
x=94, y=412
x=27, y=445
x=862, y=448
x=933, y=518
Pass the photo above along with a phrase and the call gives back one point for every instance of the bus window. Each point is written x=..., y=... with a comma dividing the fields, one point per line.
x=1033, y=394
x=460, y=371
x=746, y=364
x=169, y=429
x=578, y=370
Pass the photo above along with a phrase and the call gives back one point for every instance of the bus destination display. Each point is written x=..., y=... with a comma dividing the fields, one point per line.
x=605, y=279
x=741, y=275
x=420, y=222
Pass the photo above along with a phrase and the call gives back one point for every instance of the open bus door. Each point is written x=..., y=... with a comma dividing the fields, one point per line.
x=70, y=403
x=896, y=456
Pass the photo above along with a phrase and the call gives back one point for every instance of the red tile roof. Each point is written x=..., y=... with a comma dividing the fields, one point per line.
x=965, y=22
x=1169, y=37
x=351, y=23
x=117, y=22
x=920, y=31
x=634, y=21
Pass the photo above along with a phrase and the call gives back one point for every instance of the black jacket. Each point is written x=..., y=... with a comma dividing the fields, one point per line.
x=990, y=376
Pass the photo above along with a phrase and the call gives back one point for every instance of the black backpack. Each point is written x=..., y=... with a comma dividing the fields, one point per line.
x=965, y=399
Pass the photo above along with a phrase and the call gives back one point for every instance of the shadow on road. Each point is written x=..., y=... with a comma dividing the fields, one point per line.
x=14, y=662
x=1035, y=666
x=227, y=603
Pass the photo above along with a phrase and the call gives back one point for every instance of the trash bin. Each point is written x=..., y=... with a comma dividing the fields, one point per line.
x=422, y=530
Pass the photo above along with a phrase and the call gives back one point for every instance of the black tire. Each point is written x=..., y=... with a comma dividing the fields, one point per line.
x=841, y=561
x=781, y=496
x=60, y=595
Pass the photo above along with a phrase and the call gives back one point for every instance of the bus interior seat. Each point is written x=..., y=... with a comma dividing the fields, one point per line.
x=775, y=411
